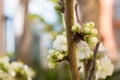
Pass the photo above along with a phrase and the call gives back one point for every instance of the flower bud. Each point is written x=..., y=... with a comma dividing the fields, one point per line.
x=60, y=56
x=90, y=25
x=57, y=53
x=94, y=32
x=86, y=30
x=57, y=8
x=93, y=40
x=74, y=28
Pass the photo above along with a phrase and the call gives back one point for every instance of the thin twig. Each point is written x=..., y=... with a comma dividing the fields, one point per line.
x=92, y=68
x=76, y=11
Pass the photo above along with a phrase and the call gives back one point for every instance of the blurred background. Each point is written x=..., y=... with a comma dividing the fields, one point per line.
x=27, y=28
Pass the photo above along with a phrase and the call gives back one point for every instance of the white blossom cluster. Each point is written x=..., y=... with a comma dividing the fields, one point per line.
x=85, y=47
x=104, y=68
x=84, y=50
x=88, y=32
x=58, y=52
x=14, y=69
x=60, y=43
x=91, y=32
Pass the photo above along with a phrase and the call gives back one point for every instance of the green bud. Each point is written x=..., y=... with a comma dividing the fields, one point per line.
x=94, y=32
x=60, y=57
x=93, y=40
x=90, y=25
x=86, y=30
x=74, y=28
x=57, y=7
x=57, y=53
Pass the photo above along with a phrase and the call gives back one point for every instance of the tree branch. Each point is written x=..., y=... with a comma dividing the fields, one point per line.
x=92, y=68
x=69, y=21
x=76, y=11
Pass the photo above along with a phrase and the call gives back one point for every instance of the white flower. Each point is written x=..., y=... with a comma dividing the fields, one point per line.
x=19, y=67
x=101, y=47
x=29, y=72
x=60, y=43
x=105, y=68
x=83, y=51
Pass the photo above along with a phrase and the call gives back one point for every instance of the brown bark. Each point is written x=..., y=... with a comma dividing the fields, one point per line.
x=69, y=21
x=2, y=31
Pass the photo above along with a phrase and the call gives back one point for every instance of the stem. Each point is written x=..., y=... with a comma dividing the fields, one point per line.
x=77, y=16
x=92, y=68
x=69, y=21
x=87, y=65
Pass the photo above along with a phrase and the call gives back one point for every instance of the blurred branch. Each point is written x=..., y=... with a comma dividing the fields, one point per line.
x=24, y=44
x=92, y=68
x=76, y=11
x=2, y=29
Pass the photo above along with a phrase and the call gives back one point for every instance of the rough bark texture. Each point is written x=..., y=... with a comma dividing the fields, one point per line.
x=2, y=31
x=69, y=21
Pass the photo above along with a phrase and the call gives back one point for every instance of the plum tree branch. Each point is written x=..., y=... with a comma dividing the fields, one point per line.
x=69, y=21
